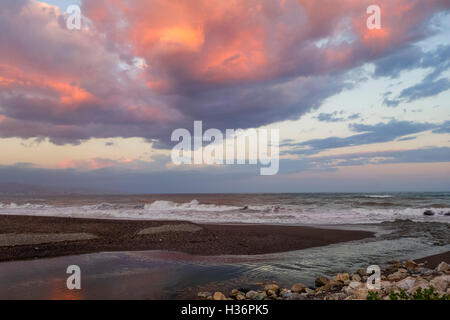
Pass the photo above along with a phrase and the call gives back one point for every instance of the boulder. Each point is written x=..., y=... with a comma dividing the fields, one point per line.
x=309, y=292
x=298, y=287
x=361, y=272
x=219, y=296
x=335, y=284
x=342, y=277
x=297, y=296
x=428, y=213
x=411, y=265
x=419, y=283
x=349, y=290
x=321, y=281
x=251, y=294
x=398, y=275
x=204, y=295
x=271, y=293
x=356, y=277
x=235, y=292
x=441, y=283
x=285, y=294
x=272, y=286
x=360, y=293
x=406, y=284
x=442, y=267
x=240, y=297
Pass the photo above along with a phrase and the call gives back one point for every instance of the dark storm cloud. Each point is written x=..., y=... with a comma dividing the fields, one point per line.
x=381, y=132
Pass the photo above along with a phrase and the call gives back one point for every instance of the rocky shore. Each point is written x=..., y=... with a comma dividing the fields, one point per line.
x=399, y=281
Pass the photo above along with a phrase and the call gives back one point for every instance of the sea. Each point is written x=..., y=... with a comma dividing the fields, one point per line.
x=402, y=231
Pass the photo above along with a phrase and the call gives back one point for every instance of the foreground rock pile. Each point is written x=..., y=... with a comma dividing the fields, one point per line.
x=399, y=281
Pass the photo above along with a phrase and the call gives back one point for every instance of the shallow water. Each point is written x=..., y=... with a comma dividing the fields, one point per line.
x=170, y=275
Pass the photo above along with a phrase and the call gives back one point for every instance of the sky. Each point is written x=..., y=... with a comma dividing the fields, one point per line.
x=357, y=109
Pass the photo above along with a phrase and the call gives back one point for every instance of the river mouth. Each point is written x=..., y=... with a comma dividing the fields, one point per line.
x=173, y=275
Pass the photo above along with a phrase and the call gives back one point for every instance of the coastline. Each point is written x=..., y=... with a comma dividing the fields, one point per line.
x=32, y=237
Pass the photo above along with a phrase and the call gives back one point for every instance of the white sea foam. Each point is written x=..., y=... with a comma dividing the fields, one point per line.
x=211, y=213
x=378, y=196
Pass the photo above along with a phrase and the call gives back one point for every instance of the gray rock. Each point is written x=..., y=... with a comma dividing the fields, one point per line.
x=285, y=294
x=298, y=287
x=297, y=296
x=428, y=213
x=204, y=295
x=321, y=281
x=442, y=267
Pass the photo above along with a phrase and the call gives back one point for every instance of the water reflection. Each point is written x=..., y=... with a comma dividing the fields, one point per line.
x=168, y=275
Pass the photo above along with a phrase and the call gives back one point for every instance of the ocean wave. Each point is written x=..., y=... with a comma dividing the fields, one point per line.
x=378, y=196
x=13, y=205
x=194, y=210
x=194, y=205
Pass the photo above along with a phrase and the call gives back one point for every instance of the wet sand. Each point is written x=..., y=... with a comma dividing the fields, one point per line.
x=129, y=235
x=434, y=260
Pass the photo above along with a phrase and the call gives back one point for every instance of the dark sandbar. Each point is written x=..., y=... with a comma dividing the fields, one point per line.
x=127, y=235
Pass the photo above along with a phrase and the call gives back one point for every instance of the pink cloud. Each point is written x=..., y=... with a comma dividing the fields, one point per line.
x=229, y=63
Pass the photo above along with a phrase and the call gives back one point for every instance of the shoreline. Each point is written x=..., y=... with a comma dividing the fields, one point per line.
x=32, y=237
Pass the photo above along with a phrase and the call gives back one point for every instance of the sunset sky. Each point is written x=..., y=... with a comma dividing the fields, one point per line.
x=357, y=109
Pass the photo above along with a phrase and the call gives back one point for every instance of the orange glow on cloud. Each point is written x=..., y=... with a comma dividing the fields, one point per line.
x=69, y=94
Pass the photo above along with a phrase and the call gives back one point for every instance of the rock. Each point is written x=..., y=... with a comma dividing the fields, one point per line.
x=271, y=293
x=406, y=284
x=350, y=289
x=240, y=297
x=297, y=296
x=447, y=214
x=321, y=281
x=442, y=267
x=335, y=284
x=256, y=295
x=251, y=294
x=441, y=283
x=360, y=293
x=219, y=296
x=204, y=295
x=272, y=286
x=361, y=272
x=261, y=295
x=419, y=283
x=342, y=277
x=411, y=265
x=356, y=277
x=355, y=284
x=324, y=288
x=309, y=292
x=298, y=287
x=398, y=275
x=235, y=292
x=285, y=294
x=386, y=286
x=428, y=213
x=339, y=296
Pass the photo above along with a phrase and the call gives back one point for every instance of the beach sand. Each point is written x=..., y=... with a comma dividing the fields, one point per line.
x=30, y=237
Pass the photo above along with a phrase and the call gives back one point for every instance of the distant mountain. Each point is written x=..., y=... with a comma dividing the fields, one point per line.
x=11, y=188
